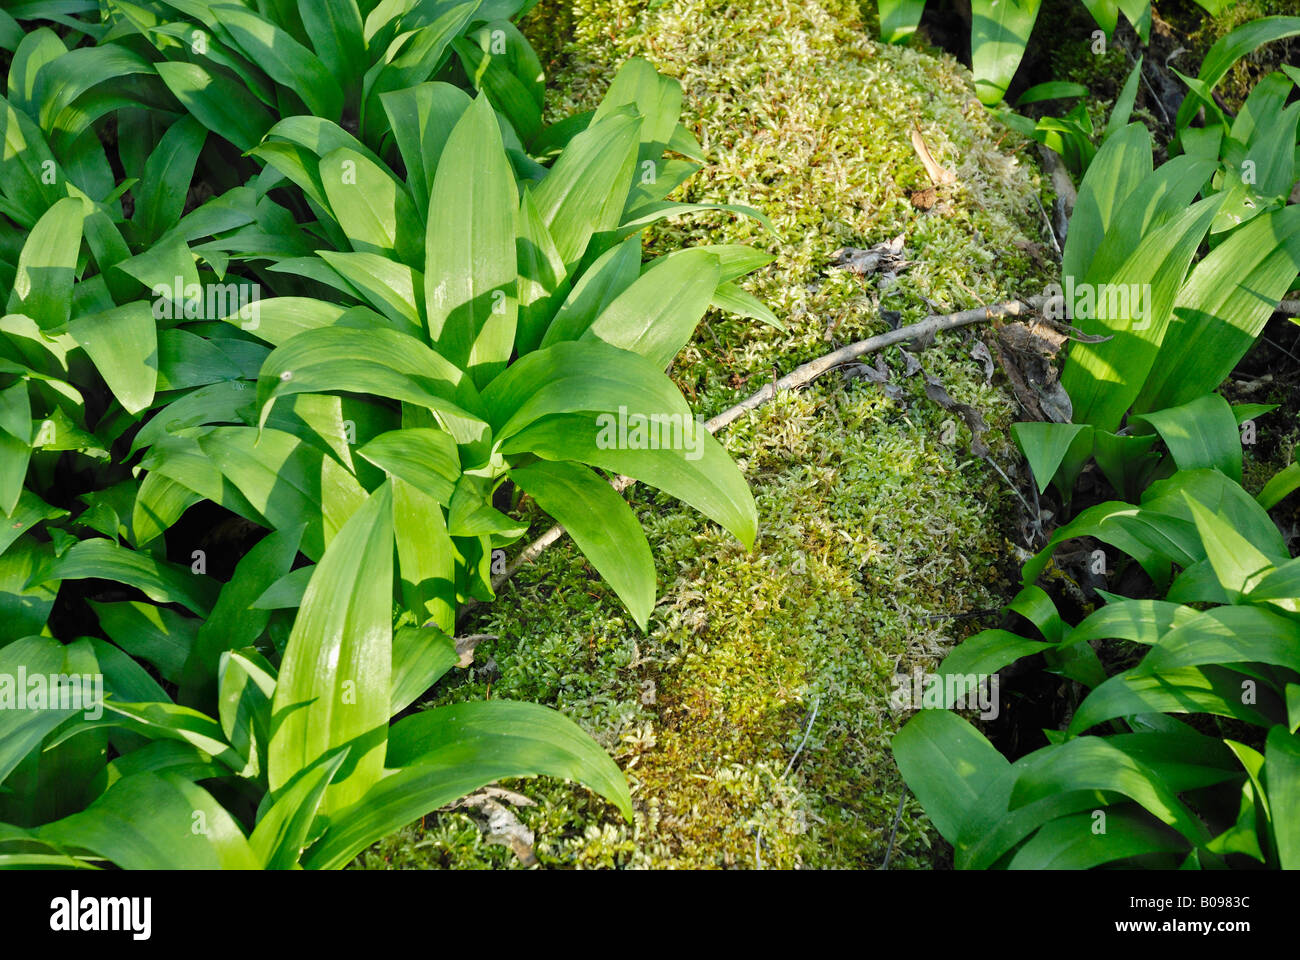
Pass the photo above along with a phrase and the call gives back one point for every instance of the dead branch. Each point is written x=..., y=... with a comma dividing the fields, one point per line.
x=799, y=377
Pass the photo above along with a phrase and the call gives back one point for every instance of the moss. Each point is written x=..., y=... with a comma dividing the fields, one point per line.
x=874, y=531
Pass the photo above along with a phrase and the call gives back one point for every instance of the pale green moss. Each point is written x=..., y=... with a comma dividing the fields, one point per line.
x=872, y=529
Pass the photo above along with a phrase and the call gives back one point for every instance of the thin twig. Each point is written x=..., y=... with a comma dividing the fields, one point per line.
x=807, y=730
x=801, y=376
x=893, y=831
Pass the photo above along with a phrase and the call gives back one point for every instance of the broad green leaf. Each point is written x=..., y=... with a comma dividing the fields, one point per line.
x=338, y=660
x=574, y=376
x=426, y=560
x=948, y=764
x=1223, y=307
x=586, y=188
x=23, y=723
x=1103, y=379
x=470, y=274
x=383, y=362
x=899, y=19
x=42, y=287
x=656, y=316
x=442, y=754
x=220, y=103
x=421, y=656
x=425, y=458
x=1123, y=161
x=678, y=457
x=374, y=210
x=1074, y=843
x=422, y=118
x=1045, y=446
x=999, y=33
x=1236, y=634
x=284, y=59
x=148, y=821
x=161, y=581
x=601, y=524
x=284, y=829
x=1097, y=763
x=149, y=632
x=1172, y=690
x=123, y=345
x=1281, y=777
x=234, y=621
x=288, y=482
x=600, y=284
x=166, y=181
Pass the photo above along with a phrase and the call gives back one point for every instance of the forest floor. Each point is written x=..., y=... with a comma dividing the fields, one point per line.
x=753, y=719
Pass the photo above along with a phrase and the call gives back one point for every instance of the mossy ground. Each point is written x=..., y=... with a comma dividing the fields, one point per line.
x=874, y=531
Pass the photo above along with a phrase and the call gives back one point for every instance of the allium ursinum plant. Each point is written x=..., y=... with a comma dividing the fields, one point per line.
x=1172, y=326
x=238, y=68
x=1216, y=639
x=488, y=321
x=503, y=331
x=1000, y=31
x=1190, y=758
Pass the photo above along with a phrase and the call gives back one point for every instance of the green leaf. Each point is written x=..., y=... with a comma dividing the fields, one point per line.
x=948, y=764
x=284, y=59
x=600, y=284
x=234, y=621
x=123, y=344
x=373, y=209
x=425, y=458
x=283, y=830
x=166, y=181
x=442, y=754
x=601, y=524
x=685, y=462
x=336, y=33
x=42, y=287
x=149, y=821
x=149, y=632
x=1074, y=843
x=161, y=582
x=383, y=362
x=421, y=656
x=1103, y=379
x=1281, y=777
x=1223, y=307
x=470, y=261
x=1045, y=446
x=1123, y=108
x=1237, y=634
x=999, y=32
x=1237, y=564
x=287, y=481
x=218, y=102
x=1097, y=763
x=1123, y=161
x=588, y=184
x=23, y=729
x=656, y=316
x=575, y=376
x=899, y=19
x=1280, y=486
x=426, y=561
x=1229, y=49
x=1173, y=690
x=422, y=118
x=338, y=660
